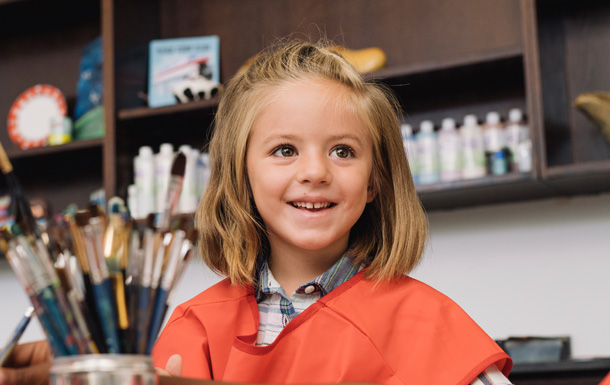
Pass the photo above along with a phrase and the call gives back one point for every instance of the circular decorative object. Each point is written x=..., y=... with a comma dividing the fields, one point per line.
x=30, y=116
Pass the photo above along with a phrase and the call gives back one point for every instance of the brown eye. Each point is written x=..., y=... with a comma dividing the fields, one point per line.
x=287, y=151
x=342, y=152
x=284, y=151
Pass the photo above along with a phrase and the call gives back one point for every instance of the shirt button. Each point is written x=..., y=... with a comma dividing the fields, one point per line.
x=310, y=289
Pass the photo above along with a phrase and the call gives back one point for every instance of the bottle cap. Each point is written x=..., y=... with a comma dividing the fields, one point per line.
x=406, y=129
x=185, y=148
x=166, y=149
x=448, y=124
x=145, y=151
x=492, y=118
x=515, y=115
x=470, y=120
x=426, y=126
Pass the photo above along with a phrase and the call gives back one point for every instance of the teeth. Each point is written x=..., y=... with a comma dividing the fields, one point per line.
x=309, y=205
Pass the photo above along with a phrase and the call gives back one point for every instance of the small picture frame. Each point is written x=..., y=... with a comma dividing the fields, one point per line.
x=171, y=61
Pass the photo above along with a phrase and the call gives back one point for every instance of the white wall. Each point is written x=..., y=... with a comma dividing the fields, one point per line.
x=533, y=268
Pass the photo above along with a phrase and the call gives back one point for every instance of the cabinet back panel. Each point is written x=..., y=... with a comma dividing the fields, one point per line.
x=409, y=31
x=574, y=44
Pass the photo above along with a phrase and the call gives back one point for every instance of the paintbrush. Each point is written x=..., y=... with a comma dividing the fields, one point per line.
x=17, y=193
x=91, y=316
x=45, y=315
x=144, y=290
x=161, y=294
x=100, y=282
x=173, y=191
x=114, y=244
x=17, y=333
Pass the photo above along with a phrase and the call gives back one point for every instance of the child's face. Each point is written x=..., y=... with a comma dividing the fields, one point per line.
x=309, y=164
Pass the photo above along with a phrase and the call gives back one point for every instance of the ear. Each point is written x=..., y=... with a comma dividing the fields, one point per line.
x=371, y=192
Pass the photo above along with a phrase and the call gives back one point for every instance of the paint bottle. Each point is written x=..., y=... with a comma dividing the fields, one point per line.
x=473, y=153
x=203, y=173
x=144, y=176
x=494, y=140
x=132, y=201
x=516, y=133
x=449, y=147
x=427, y=154
x=409, y=143
x=163, y=167
x=187, y=204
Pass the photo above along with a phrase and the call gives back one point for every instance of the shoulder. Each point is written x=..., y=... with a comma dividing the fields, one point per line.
x=401, y=303
x=222, y=293
x=402, y=292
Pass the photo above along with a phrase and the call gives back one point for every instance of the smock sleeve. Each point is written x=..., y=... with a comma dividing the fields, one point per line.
x=185, y=335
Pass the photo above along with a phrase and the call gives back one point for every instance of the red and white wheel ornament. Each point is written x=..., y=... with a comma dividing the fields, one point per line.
x=31, y=115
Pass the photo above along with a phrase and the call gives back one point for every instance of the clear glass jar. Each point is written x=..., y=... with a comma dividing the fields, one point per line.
x=103, y=369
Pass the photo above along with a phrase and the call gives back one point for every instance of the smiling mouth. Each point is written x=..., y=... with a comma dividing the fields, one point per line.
x=312, y=206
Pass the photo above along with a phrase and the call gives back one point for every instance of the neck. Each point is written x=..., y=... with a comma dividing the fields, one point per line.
x=292, y=268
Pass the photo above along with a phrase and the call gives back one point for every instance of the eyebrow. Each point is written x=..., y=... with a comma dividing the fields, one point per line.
x=289, y=138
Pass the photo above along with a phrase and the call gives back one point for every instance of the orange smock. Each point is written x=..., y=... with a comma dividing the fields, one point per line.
x=401, y=332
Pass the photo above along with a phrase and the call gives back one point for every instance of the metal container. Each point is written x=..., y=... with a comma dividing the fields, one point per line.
x=103, y=369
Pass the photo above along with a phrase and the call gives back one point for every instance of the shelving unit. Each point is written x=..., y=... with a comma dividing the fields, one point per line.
x=42, y=42
x=445, y=59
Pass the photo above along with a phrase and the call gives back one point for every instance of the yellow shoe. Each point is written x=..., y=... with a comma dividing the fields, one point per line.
x=364, y=60
x=596, y=106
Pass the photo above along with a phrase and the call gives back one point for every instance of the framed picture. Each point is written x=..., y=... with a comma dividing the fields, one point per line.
x=172, y=61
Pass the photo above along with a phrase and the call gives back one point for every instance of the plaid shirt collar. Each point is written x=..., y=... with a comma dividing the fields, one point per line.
x=326, y=282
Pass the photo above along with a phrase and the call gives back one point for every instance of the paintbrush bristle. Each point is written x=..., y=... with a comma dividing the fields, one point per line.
x=82, y=218
x=150, y=221
x=179, y=164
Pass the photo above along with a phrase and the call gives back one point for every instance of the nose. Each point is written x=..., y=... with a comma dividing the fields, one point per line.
x=314, y=169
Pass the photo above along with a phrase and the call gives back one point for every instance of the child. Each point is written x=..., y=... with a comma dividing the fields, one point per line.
x=312, y=215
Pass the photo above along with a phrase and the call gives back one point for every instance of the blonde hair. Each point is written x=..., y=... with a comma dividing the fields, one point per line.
x=392, y=230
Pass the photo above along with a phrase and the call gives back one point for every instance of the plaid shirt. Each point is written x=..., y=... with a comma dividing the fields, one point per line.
x=276, y=308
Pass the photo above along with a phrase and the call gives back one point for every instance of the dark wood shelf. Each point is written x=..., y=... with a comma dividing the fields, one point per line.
x=39, y=151
x=439, y=65
x=512, y=187
x=491, y=180
x=146, y=112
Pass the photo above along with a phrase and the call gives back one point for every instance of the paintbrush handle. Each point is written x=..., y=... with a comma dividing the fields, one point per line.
x=141, y=332
x=5, y=163
x=17, y=333
x=157, y=318
x=55, y=341
x=49, y=301
x=107, y=318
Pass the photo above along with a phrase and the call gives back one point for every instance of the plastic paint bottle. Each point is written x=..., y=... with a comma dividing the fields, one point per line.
x=449, y=151
x=410, y=145
x=187, y=204
x=494, y=140
x=516, y=133
x=427, y=154
x=144, y=176
x=163, y=166
x=203, y=173
x=132, y=201
x=473, y=153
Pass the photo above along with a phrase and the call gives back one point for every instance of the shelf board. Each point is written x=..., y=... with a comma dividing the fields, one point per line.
x=578, y=169
x=438, y=65
x=492, y=180
x=145, y=112
x=71, y=146
x=483, y=191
